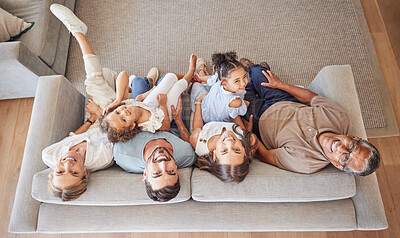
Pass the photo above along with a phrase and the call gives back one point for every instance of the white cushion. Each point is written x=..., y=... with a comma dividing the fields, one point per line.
x=267, y=183
x=110, y=187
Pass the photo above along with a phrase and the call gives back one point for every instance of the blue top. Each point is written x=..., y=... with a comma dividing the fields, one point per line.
x=215, y=106
x=129, y=155
x=212, y=79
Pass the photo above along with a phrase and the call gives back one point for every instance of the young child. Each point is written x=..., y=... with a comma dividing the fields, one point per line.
x=225, y=99
x=150, y=111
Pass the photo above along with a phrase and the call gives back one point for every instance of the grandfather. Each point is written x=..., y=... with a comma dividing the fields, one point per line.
x=302, y=130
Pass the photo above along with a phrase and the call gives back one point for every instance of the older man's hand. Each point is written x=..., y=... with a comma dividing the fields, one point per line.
x=273, y=79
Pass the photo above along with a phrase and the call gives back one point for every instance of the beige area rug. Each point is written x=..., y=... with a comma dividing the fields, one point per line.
x=297, y=38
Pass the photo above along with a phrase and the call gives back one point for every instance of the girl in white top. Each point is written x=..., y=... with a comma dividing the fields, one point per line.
x=124, y=118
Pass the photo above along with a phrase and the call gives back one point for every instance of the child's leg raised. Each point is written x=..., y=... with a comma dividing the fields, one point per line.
x=162, y=88
x=96, y=86
x=179, y=87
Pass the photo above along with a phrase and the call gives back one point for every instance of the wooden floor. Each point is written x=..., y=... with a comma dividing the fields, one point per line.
x=384, y=23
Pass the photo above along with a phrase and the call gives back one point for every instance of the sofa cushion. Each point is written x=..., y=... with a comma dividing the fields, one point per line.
x=266, y=183
x=42, y=39
x=110, y=187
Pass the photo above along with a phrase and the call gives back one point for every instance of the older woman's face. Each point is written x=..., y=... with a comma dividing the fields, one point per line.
x=69, y=170
x=229, y=149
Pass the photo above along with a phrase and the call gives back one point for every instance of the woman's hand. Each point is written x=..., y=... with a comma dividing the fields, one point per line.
x=112, y=105
x=273, y=79
x=93, y=109
x=248, y=124
x=177, y=112
x=162, y=99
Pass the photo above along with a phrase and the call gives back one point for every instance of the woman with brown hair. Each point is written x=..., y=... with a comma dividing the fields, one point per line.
x=223, y=148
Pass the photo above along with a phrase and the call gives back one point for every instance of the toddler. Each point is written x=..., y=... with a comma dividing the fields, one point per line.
x=224, y=101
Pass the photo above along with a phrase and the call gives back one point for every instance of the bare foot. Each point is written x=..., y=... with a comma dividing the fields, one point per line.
x=192, y=62
x=192, y=67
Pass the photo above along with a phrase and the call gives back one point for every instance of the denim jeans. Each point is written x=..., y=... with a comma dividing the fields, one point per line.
x=139, y=85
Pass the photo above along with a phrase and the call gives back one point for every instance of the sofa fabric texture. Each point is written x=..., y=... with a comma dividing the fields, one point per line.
x=267, y=183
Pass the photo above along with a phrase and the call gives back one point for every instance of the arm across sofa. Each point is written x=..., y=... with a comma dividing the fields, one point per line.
x=269, y=199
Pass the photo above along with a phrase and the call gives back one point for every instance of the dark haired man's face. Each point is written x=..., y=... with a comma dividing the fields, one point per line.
x=161, y=170
x=336, y=147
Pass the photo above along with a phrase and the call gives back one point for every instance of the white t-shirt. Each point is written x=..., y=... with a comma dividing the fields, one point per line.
x=99, y=152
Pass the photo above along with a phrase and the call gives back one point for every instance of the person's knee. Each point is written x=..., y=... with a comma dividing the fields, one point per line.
x=256, y=74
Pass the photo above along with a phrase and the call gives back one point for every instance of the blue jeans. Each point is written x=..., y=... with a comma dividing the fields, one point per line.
x=139, y=85
x=260, y=97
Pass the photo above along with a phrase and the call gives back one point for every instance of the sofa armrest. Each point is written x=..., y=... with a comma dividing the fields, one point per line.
x=58, y=109
x=368, y=204
x=336, y=82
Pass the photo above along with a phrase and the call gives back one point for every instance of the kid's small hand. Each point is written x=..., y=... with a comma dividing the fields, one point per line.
x=177, y=112
x=140, y=97
x=162, y=99
x=112, y=105
x=93, y=108
x=273, y=79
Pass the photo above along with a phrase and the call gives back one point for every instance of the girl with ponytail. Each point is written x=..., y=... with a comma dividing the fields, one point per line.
x=224, y=101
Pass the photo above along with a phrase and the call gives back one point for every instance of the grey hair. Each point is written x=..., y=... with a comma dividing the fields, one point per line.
x=372, y=162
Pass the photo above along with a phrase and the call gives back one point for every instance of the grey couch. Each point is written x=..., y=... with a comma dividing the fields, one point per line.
x=43, y=50
x=269, y=199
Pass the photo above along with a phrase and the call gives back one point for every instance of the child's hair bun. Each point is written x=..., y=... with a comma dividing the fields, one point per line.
x=220, y=58
x=224, y=62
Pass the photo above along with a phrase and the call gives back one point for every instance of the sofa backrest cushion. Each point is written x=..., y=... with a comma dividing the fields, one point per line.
x=111, y=187
x=267, y=183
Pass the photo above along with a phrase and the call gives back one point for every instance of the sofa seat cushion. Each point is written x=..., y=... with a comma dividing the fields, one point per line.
x=110, y=187
x=267, y=183
x=42, y=39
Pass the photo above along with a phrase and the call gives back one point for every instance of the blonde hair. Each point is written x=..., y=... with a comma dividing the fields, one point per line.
x=69, y=193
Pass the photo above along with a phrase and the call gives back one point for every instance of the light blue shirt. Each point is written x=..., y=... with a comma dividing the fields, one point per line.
x=215, y=106
x=129, y=155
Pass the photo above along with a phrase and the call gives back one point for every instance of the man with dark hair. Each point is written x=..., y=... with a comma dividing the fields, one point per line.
x=303, y=131
x=158, y=156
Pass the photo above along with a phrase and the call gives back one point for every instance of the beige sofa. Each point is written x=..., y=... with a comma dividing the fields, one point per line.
x=269, y=199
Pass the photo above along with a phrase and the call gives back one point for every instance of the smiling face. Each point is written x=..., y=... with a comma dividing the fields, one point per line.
x=69, y=169
x=229, y=149
x=122, y=117
x=161, y=170
x=337, y=147
x=236, y=80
